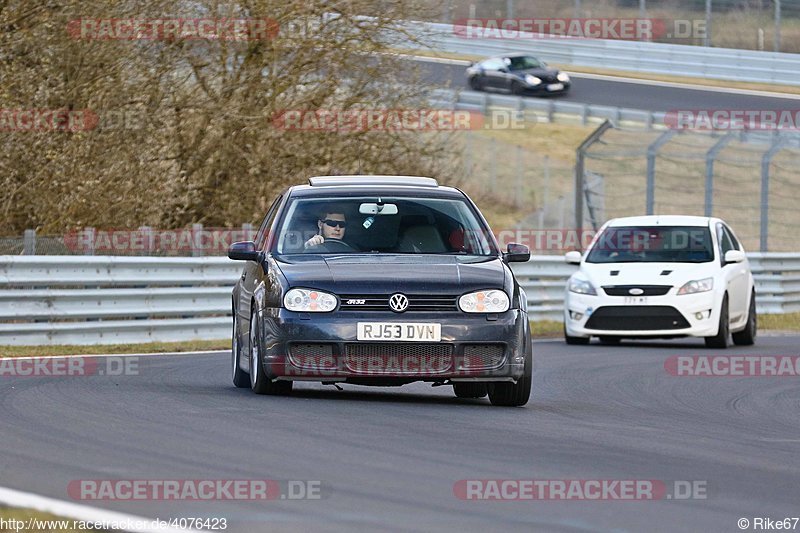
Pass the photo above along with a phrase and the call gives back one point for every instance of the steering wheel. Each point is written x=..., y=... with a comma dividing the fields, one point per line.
x=336, y=245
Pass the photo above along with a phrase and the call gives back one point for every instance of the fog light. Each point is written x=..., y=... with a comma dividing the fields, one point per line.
x=700, y=315
x=575, y=316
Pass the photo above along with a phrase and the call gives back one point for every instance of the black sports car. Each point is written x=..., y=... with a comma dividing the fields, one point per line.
x=380, y=280
x=520, y=74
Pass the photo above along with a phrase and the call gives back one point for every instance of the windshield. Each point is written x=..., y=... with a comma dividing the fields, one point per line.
x=403, y=225
x=658, y=244
x=524, y=63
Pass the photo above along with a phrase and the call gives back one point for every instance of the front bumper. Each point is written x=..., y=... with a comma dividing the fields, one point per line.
x=682, y=314
x=324, y=347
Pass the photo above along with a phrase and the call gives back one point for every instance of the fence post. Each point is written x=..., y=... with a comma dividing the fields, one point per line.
x=197, y=233
x=579, y=172
x=652, y=153
x=707, y=38
x=764, y=223
x=777, y=25
x=711, y=155
x=518, y=181
x=29, y=242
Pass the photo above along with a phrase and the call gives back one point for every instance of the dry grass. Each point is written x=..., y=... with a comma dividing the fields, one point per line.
x=152, y=347
x=39, y=521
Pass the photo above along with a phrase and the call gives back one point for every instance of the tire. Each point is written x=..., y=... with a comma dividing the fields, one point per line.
x=470, y=390
x=259, y=382
x=514, y=394
x=747, y=337
x=610, y=340
x=720, y=340
x=240, y=378
x=475, y=83
x=574, y=341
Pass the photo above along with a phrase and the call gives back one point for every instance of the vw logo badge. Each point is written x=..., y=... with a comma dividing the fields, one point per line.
x=398, y=302
x=635, y=292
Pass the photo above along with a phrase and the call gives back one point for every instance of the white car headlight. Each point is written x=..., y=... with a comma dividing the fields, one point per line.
x=532, y=80
x=697, y=285
x=309, y=301
x=563, y=77
x=581, y=286
x=489, y=301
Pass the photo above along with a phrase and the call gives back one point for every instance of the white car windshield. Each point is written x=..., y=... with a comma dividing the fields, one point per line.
x=652, y=244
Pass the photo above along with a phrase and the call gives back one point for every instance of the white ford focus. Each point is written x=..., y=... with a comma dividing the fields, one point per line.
x=661, y=277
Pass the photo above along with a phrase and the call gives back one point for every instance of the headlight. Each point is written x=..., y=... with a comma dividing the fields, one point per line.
x=581, y=286
x=492, y=301
x=698, y=285
x=563, y=76
x=309, y=301
x=532, y=80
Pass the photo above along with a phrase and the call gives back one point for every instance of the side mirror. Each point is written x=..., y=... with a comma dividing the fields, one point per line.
x=517, y=253
x=244, y=251
x=503, y=69
x=573, y=258
x=734, y=256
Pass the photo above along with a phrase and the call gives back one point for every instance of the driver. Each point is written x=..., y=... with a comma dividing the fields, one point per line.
x=331, y=225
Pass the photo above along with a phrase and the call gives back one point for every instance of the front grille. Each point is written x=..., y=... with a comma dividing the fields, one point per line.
x=380, y=302
x=312, y=355
x=482, y=356
x=636, y=318
x=649, y=290
x=398, y=358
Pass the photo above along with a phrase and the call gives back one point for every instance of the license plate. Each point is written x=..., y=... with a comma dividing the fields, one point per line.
x=636, y=300
x=399, y=331
x=555, y=86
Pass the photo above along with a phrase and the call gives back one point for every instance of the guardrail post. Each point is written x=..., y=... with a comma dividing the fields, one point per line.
x=518, y=181
x=765, y=162
x=711, y=155
x=88, y=240
x=29, y=242
x=247, y=232
x=197, y=234
x=147, y=239
x=584, y=114
x=652, y=152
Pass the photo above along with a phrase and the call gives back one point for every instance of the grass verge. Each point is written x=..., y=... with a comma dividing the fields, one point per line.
x=152, y=347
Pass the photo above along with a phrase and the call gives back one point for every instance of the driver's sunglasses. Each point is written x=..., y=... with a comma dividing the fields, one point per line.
x=335, y=223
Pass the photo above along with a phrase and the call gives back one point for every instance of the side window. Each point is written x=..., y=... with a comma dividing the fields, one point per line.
x=734, y=242
x=261, y=237
x=725, y=243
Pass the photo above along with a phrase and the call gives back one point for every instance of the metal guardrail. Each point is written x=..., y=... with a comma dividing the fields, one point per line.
x=548, y=110
x=48, y=300
x=658, y=58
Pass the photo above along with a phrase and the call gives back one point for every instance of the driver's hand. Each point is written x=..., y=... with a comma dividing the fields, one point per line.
x=316, y=240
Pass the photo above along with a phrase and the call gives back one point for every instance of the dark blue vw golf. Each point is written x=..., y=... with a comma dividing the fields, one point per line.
x=383, y=281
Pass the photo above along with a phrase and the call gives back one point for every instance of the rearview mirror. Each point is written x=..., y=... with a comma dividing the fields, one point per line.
x=734, y=256
x=573, y=258
x=517, y=253
x=244, y=251
x=377, y=209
